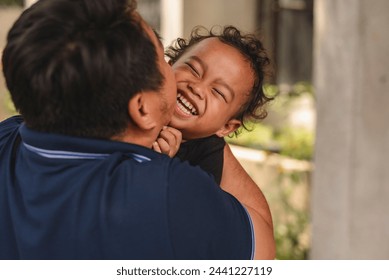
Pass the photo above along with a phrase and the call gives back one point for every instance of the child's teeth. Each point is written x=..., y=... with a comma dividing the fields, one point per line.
x=185, y=105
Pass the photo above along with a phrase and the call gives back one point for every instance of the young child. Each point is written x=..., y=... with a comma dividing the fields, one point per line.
x=219, y=86
x=219, y=80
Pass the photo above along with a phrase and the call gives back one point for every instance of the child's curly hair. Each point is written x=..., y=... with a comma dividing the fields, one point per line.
x=250, y=47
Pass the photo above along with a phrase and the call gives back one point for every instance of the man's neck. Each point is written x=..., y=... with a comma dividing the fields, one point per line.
x=134, y=136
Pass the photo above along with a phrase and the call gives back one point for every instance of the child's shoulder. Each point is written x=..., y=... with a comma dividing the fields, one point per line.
x=210, y=140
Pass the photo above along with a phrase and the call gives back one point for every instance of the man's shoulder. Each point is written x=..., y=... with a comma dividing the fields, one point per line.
x=194, y=196
x=187, y=182
x=192, y=175
x=10, y=122
x=9, y=126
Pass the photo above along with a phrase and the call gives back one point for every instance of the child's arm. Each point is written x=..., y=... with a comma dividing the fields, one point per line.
x=168, y=142
x=237, y=182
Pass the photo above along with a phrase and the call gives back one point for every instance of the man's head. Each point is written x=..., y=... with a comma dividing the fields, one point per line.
x=73, y=66
x=219, y=80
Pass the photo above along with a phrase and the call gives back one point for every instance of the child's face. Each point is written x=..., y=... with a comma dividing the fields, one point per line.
x=213, y=81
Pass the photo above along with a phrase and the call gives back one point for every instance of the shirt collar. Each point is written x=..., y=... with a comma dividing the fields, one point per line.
x=53, y=145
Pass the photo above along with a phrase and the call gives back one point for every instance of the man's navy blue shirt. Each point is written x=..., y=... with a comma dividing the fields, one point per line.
x=65, y=197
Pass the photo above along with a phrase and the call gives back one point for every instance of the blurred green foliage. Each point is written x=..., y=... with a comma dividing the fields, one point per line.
x=259, y=136
x=11, y=2
x=9, y=105
x=291, y=217
x=295, y=142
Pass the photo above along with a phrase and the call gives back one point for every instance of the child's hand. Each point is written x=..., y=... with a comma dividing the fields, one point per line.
x=168, y=142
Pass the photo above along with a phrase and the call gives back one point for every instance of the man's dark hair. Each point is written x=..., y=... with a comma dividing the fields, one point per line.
x=71, y=66
x=250, y=47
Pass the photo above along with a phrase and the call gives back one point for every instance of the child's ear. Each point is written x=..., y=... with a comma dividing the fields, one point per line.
x=229, y=128
x=140, y=111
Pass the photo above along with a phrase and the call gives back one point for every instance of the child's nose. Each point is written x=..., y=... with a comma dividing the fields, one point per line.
x=196, y=89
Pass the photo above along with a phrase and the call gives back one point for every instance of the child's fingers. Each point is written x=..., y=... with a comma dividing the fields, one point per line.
x=168, y=137
x=164, y=146
x=172, y=136
x=156, y=147
x=168, y=142
x=177, y=134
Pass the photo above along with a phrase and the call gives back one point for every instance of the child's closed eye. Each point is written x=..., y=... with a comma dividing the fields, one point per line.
x=193, y=69
x=220, y=93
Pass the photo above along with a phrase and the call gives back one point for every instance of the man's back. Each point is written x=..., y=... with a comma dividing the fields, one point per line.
x=63, y=197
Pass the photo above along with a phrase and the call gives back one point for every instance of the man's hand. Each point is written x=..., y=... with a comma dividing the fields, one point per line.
x=168, y=141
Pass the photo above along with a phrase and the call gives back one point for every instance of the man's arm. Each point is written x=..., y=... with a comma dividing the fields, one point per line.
x=237, y=182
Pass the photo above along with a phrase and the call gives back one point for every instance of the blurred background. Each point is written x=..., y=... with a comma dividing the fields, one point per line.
x=320, y=156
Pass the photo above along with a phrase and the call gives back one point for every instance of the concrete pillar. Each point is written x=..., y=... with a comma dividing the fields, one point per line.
x=172, y=21
x=350, y=199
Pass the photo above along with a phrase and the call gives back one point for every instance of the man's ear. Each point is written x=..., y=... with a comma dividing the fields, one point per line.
x=140, y=111
x=229, y=128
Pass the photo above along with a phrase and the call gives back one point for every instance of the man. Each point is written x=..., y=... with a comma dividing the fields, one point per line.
x=78, y=179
